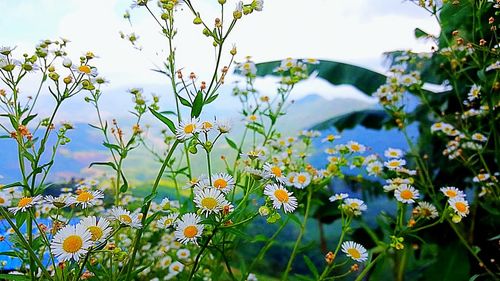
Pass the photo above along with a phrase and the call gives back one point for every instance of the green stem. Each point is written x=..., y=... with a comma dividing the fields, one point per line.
x=25, y=243
x=299, y=238
x=146, y=210
x=367, y=268
x=198, y=256
x=266, y=247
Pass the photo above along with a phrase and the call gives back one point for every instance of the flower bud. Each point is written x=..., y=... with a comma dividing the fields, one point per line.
x=67, y=62
x=54, y=76
x=264, y=211
x=68, y=79
x=197, y=20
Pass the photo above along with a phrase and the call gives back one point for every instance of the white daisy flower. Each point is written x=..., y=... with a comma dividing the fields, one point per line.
x=426, y=210
x=393, y=153
x=86, y=198
x=189, y=228
x=223, y=126
x=479, y=137
x=71, y=242
x=355, y=147
x=125, y=217
x=176, y=267
x=354, y=206
x=26, y=203
x=338, y=196
x=481, y=177
x=474, y=93
x=183, y=254
x=281, y=197
x=99, y=229
x=302, y=180
x=272, y=171
x=330, y=138
x=4, y=199
x=395, y=164
x=460, y=205
x=452, y=192
x=247, y=68
x=168, y=220
x=209, y=201
x=206, y=126
x=287, y=63
x=187, y=129
x=222, y=182
x=355, y=251
x=258, y=5
x=291, y=179
x=59, y=202
x=374, y=168
x=406, y=194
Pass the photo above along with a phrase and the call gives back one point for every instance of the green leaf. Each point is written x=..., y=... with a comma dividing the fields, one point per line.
x=112, y=146
x=372, y=119
x=311, y=266
x=14, y=277
x=28, y=119
x=419, y=33
x=110, y=164
x=21, y=218
x=164, y=119
x=197, y=105
x=211, y=99
x=337, y=73
x=184, y=101
x=231, y=143
x=124, y=186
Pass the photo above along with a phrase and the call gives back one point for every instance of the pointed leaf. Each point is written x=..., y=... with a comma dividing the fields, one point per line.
x=164, y=119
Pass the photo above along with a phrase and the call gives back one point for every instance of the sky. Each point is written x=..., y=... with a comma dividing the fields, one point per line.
x=354, y=31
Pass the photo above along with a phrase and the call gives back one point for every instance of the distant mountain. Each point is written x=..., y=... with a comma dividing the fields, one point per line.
x=86, y=147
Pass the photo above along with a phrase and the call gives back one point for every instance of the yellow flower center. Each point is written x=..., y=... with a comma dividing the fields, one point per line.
x=220, y=183
x=190, y=231
x=355, y=147
x=85, y=69
x=207, y=125
x=291, y=179
x=252, y=117
x=2, y=200
x=354, y=205
x=176, y=268
x=461, y=207
x=394, y=163
x=84, y=197
x=354, y=253
x=281, y=195
x=209, y=203
x=301, y=179
x=72, y=244
x=451, y=193
x=276, y=171
x=167, y=222
x=96, y=232
x=406, y=194
x=189, y=129
x=126, y=219
x=25, y=201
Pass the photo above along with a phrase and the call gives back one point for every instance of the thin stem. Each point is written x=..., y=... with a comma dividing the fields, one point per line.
x=299, y=238
x=146, y=210
x=367, y=268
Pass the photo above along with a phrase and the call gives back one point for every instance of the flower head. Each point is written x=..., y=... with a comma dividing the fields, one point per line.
x=355, y=251
x=26, y=203
x=354, y=206
x=406, y=194
x=168, y=220
x=281, y=197
x=209, y=200
x=188, y=228
x=86, y=198
x=125, y=217
x=452, y=192
x=71, y=242
x=187, y=129
x=98, y=228
x=426, y=210
x=460, y=206
x=222, y=182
